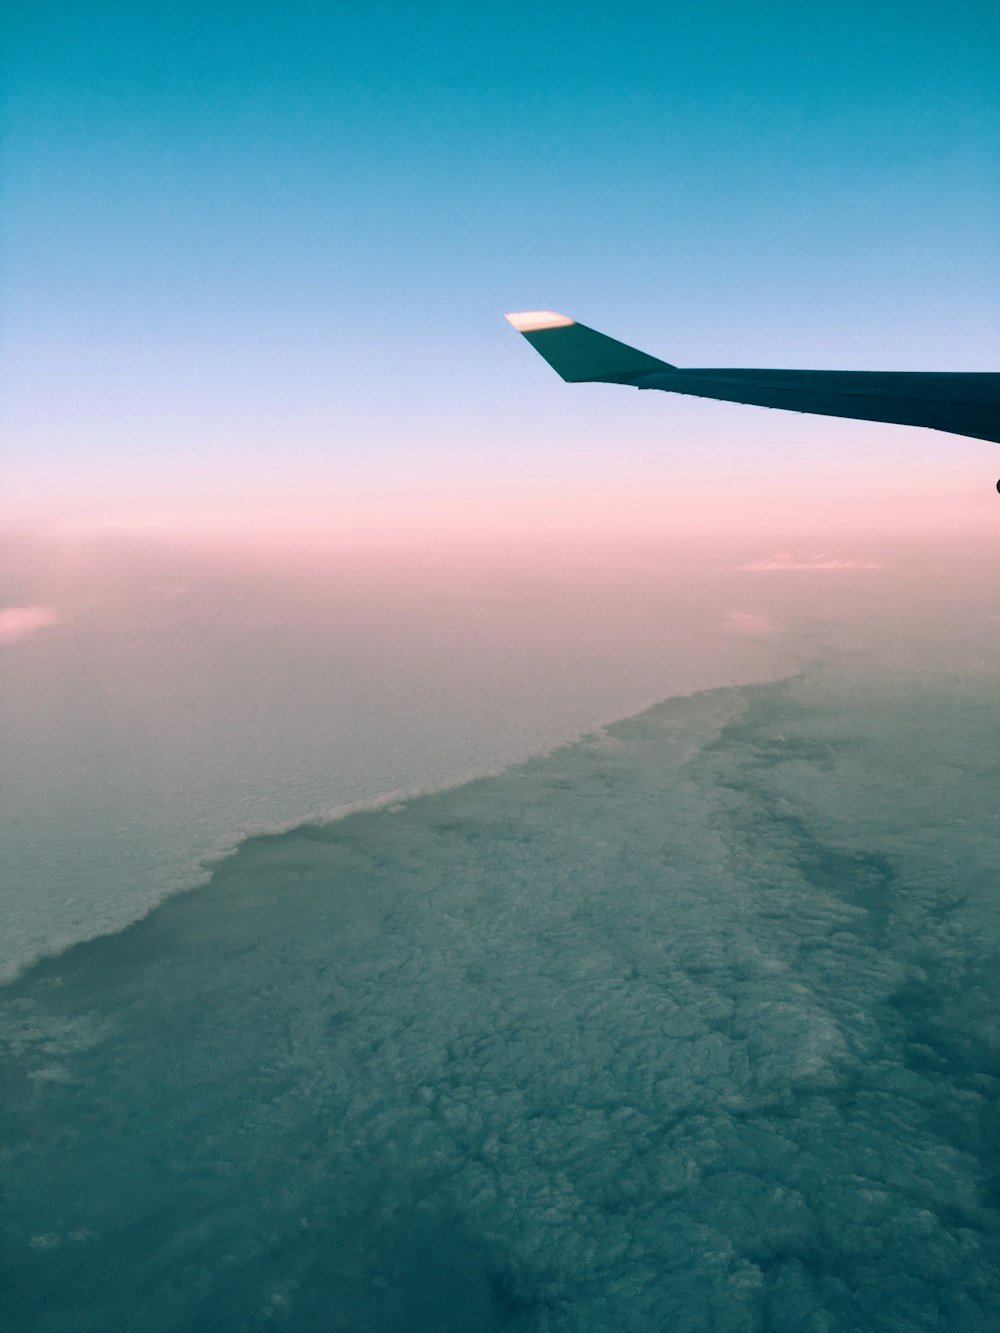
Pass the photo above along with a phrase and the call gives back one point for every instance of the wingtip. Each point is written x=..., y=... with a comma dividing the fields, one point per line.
x=527, y=321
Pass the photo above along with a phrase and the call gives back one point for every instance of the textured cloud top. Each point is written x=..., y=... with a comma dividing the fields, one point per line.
x=688, y=1025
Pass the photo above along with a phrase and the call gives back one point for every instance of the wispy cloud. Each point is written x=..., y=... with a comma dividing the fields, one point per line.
x=20, y=622
x=785, y=560
x=749, y=622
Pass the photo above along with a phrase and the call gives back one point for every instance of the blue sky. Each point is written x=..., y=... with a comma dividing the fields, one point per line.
x=258, y=252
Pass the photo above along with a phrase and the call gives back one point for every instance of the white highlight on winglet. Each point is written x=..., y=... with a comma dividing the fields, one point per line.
x=525, y=321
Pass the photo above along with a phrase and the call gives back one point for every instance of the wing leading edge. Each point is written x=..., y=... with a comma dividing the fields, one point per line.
x=960, y=402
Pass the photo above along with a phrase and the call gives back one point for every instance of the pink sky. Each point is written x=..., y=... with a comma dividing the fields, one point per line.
x=368, y=512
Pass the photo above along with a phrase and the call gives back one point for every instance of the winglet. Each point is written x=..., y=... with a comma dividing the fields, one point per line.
x=527, y=321
x=582, y=355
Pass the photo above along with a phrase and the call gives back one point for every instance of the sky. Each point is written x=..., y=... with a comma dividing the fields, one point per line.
x=256, y=255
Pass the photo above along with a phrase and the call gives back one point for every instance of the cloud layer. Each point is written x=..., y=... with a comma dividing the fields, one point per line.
x=688, y=1026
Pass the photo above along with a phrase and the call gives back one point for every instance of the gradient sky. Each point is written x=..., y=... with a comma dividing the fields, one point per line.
x=255, y=257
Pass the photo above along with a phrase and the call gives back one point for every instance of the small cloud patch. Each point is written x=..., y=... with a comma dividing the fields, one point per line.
x=749, y=622
x=785, y=560
x=20, y=622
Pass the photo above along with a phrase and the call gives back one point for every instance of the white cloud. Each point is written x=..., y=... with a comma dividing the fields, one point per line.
x=20, y=622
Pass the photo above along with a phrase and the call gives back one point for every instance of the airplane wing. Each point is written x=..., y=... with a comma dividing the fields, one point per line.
x=960, y=402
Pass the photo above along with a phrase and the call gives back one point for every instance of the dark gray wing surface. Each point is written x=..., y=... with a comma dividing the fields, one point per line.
x=962, y=403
